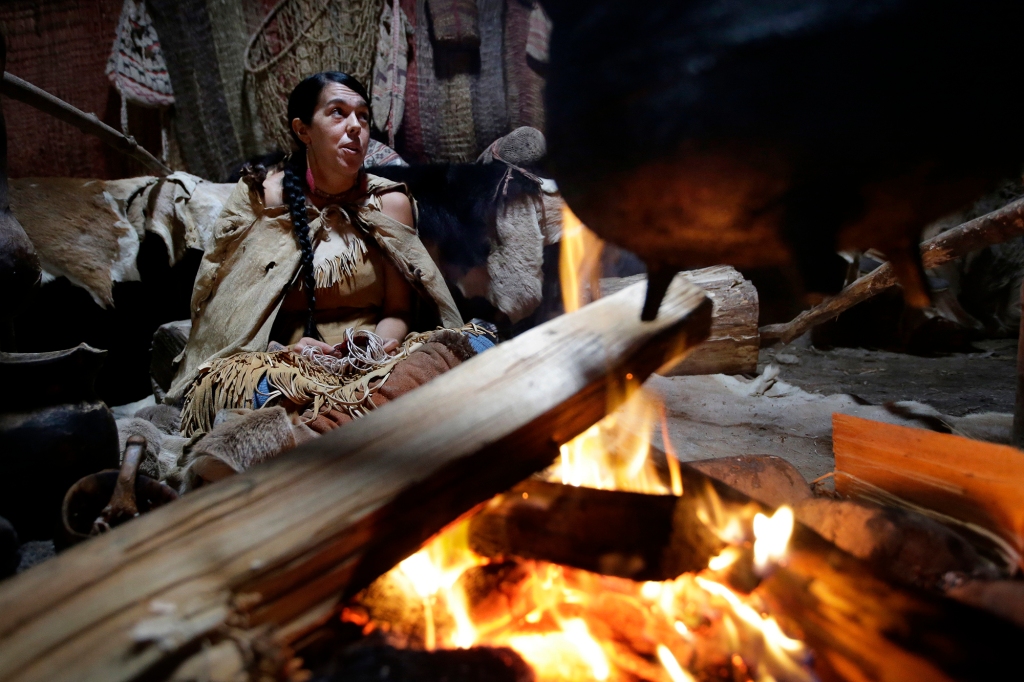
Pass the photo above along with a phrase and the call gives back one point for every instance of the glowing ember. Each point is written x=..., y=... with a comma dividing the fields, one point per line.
x=772, y=537
x=567, y=655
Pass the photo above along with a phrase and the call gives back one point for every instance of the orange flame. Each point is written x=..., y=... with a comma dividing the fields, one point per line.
x=572, y=625
x=579, y=267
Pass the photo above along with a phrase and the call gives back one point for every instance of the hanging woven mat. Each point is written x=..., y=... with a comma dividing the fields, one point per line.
x=301, y=37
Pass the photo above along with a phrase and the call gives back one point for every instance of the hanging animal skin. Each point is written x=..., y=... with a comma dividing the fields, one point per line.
x=770, y=132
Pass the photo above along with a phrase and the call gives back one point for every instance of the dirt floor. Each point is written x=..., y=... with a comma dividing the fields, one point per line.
x=959, y=384
x=787, y=409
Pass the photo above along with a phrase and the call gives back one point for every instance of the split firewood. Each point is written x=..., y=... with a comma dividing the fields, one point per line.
x=859, y=625
x=768, y=479
x=1004, y=598
x=266, y=555
x=23, y=91
x=899, y=544
x=992, y=228
x=975, y=485
x=734, y=343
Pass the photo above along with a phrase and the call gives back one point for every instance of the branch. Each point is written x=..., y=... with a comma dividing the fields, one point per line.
x=16, y=88
x=992, y=228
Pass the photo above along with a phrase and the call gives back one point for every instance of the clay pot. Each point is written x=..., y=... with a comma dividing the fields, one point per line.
x=102, y=501
x=53, y=431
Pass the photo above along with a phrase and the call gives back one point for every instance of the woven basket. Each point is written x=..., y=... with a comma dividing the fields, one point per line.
x=301, y=37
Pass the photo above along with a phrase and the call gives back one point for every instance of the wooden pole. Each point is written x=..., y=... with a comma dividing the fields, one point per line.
x=266, y=554
x=992, y=228
x=23, y=91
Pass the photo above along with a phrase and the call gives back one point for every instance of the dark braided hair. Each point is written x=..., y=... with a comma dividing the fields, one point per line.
x=301, y=105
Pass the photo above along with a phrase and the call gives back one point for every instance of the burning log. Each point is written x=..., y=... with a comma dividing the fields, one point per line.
x=861, y=626
x=734, y=343
x=265, y=555
x=977, y=486
x=630, y=535
x=992, y=228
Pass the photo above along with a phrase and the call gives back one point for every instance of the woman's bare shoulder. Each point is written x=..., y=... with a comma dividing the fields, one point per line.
x=397, y=205
x=273, y=191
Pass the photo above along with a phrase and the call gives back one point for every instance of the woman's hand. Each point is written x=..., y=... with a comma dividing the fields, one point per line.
x=307, y=342
x=391, y=345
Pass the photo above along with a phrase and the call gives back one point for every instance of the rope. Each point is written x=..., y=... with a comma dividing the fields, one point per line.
x=509, y=168
x=361, y=358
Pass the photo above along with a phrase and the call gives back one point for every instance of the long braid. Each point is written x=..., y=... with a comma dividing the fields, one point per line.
x=294, y=186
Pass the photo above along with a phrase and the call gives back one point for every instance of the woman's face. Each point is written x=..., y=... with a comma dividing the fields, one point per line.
x=339, y=133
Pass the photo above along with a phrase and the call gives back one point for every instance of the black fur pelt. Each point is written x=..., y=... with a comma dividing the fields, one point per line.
x=457, y=205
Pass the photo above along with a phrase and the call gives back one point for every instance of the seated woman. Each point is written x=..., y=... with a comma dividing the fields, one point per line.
x=304, y=266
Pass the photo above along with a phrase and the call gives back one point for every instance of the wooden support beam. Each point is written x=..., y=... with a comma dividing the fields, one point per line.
x=23, y=91
x=996, y=227
x=266, y=554
x=979, y=485
x=860, y=626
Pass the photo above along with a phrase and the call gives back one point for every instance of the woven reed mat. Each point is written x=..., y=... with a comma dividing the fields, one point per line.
x=302, y=37
x=445, y=96
x=203, y=122
x=233, y=21
x=63, y=48
x=454, y=23
x=409, y=140
x=525, y=87
x=490, y=115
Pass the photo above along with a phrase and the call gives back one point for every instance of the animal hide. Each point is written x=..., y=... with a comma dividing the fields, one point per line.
x=486, y=237
x=446, y=350
x=90, y=230
x=78, y=232
x=135, y=426
x=239, y=440
x=166, y=418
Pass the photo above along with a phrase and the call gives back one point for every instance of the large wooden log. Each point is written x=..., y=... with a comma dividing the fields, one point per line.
x=268, y=553
x=992, y=228
x=734, y=343
x=860, y=626
x=978, y=485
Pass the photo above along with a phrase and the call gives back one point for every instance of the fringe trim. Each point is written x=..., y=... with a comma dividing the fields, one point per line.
x=342, y=267
x=232, y=382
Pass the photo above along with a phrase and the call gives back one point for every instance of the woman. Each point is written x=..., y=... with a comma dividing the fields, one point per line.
x=311, y=258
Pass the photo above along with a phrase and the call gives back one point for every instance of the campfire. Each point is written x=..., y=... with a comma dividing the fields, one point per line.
x=571, y=624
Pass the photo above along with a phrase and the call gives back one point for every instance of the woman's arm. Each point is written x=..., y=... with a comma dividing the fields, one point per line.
x=394, y=325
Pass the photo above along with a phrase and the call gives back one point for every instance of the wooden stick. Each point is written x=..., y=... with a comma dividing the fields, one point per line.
x=981, y=485
x=269, y=552
x=992, y=228
x=23, y=91
x=734, y=343
x=859, y=626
